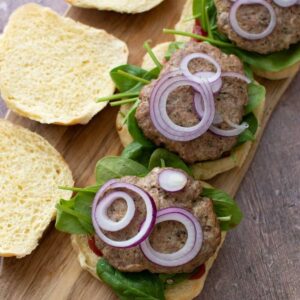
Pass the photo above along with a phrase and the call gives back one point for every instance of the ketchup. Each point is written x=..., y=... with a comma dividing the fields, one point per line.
x=198, y=29
x=93, y=246
x=198, y=273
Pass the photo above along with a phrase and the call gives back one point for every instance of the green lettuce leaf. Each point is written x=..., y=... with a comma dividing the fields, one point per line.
x=131, y=286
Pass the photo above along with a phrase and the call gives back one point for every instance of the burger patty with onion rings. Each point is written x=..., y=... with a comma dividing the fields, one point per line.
x=166, y=237
x=255, y=18
x=229, y=104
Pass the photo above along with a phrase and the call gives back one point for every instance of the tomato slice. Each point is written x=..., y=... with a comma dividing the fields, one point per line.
x=198, y=273
x=198, y=30
x=93, y=246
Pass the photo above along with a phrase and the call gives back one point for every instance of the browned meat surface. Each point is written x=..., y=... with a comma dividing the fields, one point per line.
x=255, y=19
x=229, y=103
x=167, y=237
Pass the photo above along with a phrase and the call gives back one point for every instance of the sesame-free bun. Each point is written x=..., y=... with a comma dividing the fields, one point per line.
x=30, y=172
x=53, y=69
x=201, y=170
x=283, y=74
x=122, y=6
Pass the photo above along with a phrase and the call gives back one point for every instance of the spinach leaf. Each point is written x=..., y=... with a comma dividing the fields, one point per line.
x=172, y=279
x=256, y=94
x=136, y=132
x=229, y=214
x=125, y=84
x=173, y=47
x=131, y=286
x=74, y=216
x=249, y=133
x=138, y=153
x=112, y=167
x=170, y=159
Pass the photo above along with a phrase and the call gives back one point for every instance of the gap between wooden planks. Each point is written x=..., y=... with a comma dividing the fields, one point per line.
x=52, y=271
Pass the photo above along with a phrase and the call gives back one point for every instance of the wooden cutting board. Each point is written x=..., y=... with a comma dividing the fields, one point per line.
x=52, y=271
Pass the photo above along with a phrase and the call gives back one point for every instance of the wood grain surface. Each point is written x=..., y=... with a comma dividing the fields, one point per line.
x=260, y=259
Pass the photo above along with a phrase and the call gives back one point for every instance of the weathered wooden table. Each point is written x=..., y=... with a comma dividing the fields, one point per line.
x=261, y=259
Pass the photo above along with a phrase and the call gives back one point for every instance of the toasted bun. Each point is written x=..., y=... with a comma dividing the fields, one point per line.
x=30, y=172
x=203, y=170
x=123, y=6
x=53, y=69
x=186, y=290
x=186, y=23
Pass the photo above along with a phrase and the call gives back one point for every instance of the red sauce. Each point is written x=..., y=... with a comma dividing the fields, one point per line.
x=198, y=273
x=93, y=246
x=198, y=29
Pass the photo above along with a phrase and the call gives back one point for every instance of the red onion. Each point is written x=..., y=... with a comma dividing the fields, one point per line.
x=98, y=224
x=237, y=129
x=247, y=35
x=199, y=109
x=193, y=243
x=286, y=3
x=101, y=212
x=213, y=78
x=158, y=108
x=172, y=180
x=237, y=75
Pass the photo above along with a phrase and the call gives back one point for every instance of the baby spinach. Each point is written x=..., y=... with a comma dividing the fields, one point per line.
x=112, y=167
x=249, y=133
x=74, y=216
x=131, y=286
x=170, y=160
x=256, y=94
x=172, y=48
x=228, y=212
x=138, y=153
x=125, y=84
x=136, y=132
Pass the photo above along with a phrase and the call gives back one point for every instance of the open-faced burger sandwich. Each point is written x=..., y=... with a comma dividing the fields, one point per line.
x=199, y=104
x=264, y=34
x=148, y=234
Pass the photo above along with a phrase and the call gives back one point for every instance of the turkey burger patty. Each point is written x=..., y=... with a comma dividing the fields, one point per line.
x=255, y=18
x=229, y=104
x=168, y=236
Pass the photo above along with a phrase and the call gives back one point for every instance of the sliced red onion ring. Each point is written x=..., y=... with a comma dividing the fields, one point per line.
x=247, y=35
x=192, y=246
x=286, y=3
x=199, y=109
x=212, y=78
x=238, y=129
x=216, y=86
x=172, y=180
x=237, y=75
x=147, y=225
x=158, y=108
x=101, y=212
